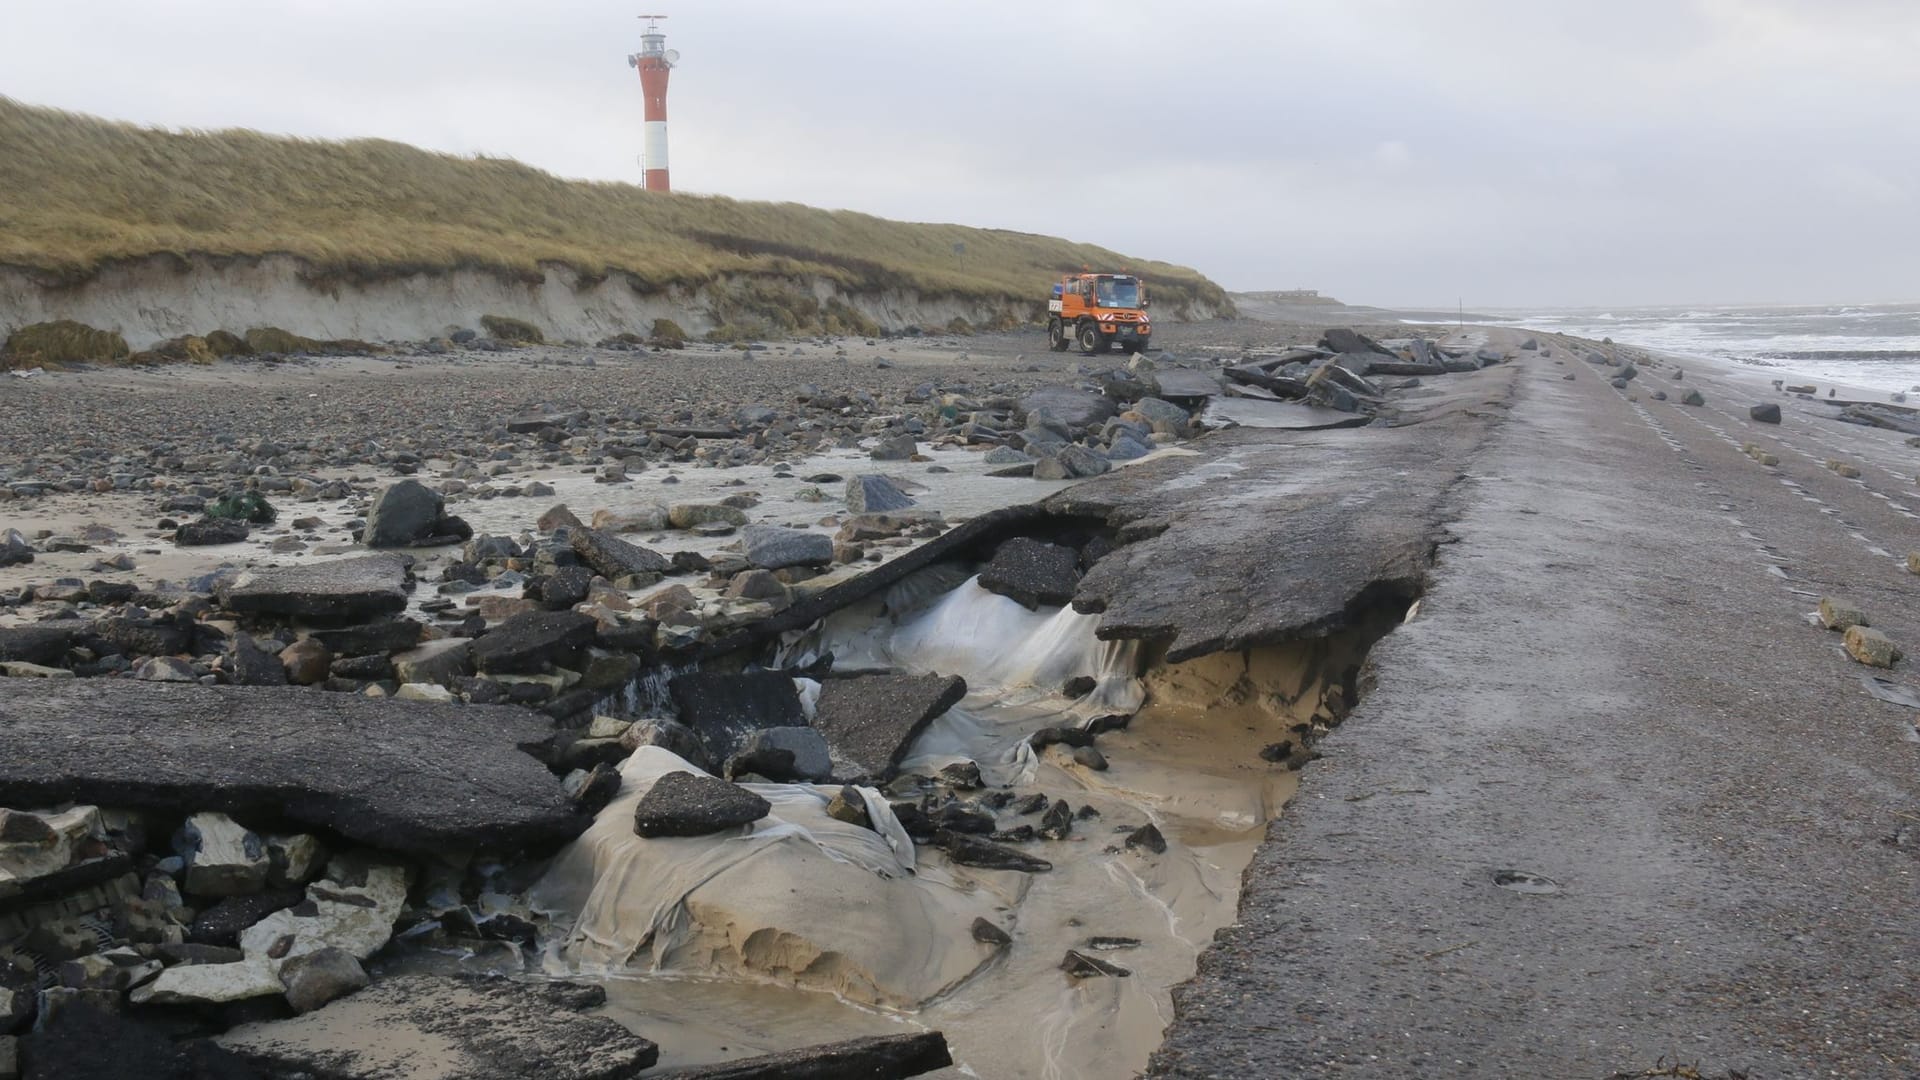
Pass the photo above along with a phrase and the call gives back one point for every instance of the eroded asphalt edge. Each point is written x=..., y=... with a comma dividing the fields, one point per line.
x=1599, y=691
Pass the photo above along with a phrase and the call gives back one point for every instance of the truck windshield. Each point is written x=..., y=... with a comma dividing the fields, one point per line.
x=1117, y=292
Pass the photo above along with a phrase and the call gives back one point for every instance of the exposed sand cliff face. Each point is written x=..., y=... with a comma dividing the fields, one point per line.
x=153, y=300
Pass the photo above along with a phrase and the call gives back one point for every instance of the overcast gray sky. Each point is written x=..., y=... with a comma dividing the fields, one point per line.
x=1505, y=152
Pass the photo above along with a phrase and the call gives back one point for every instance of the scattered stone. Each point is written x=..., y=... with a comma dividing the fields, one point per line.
x=970, y=850
x=1090, y=758
x=872, y=720
x=1913, y=562
x=210, y=533
x=1843, y=469
x=686, y=804
x=1765, y=414
x=1839, y=615
x=1871, y=647
x=306, y=662
x=316, y=978
x=1694, y=398
x=165, y=669
x=850, y=806
x=987, y=933
x=896, y=448
x=614, y=558
x=695, y=515
x=871, y=494
x=1079, y=965
x=1147, y=837
x=771, y=547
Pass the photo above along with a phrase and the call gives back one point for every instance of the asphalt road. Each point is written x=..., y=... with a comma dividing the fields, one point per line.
x=1616, y=804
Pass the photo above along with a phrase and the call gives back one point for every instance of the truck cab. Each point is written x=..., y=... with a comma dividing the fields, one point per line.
x=1097, y=312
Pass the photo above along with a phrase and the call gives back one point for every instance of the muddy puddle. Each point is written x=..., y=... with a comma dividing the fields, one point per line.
x=803, y=929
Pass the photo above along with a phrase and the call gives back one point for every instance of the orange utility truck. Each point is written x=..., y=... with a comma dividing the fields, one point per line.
x=1097, y=312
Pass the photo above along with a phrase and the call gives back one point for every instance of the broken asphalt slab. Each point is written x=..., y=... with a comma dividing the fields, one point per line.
x=450, y=1029
x=339, y=590
x=401, y=776
x=1271, y=536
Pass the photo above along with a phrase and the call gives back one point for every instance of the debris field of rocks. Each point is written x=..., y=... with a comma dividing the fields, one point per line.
x=162, y=901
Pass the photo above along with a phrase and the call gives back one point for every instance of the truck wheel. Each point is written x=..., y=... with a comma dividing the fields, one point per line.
x=1090, y=340
x=1057, y=335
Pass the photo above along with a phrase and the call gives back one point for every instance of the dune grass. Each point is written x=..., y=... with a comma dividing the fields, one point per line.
x=78, y=193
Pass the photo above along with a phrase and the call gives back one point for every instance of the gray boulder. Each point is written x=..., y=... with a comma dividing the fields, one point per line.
x=1343, y=340
x=771, y=547
x=1079, y=410
x=404, y=515
x=1765, y=414
x=614, y=558
x=896, y=448
x=686, y=804
x=869, y=493
x=14, y=549
x=316, y=978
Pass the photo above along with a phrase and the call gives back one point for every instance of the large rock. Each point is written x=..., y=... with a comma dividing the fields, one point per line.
x=529, y=642
x=877, y=1057
x=339, y=590
x=419, y=1026
x=872, y=721
x=210, y=533
x=403, y=514
x=410, y=514
x=722, y=708
x=771, y=547
x=687, y=804
x=1079, y=410
x=416, y=778
x=872, y=494
x=1032, y=572
x=614, y=558
x=223, y=858
x=316, y=978
x=14, y=549
x=1765, y=414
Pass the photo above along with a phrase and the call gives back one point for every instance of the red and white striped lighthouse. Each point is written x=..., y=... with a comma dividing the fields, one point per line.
x=655, y=62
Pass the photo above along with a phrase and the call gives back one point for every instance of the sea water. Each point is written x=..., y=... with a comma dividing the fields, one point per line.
x=1874, y=347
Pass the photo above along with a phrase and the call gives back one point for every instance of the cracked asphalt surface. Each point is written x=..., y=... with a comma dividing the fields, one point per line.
x=1615, y=801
